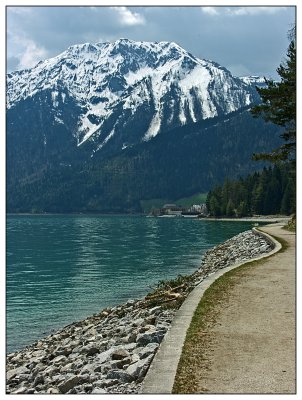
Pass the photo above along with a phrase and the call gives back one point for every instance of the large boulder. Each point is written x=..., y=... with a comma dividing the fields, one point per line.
x=149, y=337
x=16, y=371
x=148, y=350
x=68, y=384
x=139, y=369
x=122, y=376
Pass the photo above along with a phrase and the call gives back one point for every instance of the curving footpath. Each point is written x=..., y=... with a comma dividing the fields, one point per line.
x=252, y=348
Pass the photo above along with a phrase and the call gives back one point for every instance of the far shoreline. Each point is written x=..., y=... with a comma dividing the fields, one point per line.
x=262, y=218
x=258, y=218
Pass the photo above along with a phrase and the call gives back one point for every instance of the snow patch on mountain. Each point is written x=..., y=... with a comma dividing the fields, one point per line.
x=254, y=80
x=154, y=127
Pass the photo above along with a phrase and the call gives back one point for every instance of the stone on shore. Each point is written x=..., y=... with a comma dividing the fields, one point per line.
x=70, y=383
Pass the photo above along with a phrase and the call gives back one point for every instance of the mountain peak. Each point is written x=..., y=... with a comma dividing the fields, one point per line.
x=145, y=88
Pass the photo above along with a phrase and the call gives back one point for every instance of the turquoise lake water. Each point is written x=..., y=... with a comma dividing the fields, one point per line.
x=62, y=269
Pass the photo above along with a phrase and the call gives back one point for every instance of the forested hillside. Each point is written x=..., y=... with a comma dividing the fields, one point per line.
x=270, y=192
x=183, y=162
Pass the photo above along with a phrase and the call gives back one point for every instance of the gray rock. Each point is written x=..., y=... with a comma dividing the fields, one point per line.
x=51, y=370
x=86, y=378
x=38, y=354
x=38, y=380
x=104, y=356
x=149, y=349
x=87, y=369
x=121, y=363
x=68, y=384
x=67, y=367
x=135, y=357
x=119, y=354
x=73, y=391
x=108, y=382
x=98, y=390
x=263, y=248
x=59, y=360
x=149, y=337
x=155, y=310
x=98, y=368
x=88, y=388
x=65, y=351
x=90, y=350
x=17, y=358
x=121, y=376
x=20, y=390
x=16, y=371
x=139, y=369
x=57, y=379
x=130, y=346
x=131, y=337
x=163, y=325
x=53, y=390
x=150, y=320
x=146, y=327
x=138, y=322
x=24, y=377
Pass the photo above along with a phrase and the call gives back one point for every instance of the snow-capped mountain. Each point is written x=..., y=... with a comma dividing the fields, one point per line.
x=254, y=80
x=127, y=92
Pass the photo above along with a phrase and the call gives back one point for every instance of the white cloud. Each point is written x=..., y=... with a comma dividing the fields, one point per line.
x=25, y=50
x=31, y=55
x=253, y=10
x=239, y=11
x=19, y=10
x=128, y=17
x=210, y=10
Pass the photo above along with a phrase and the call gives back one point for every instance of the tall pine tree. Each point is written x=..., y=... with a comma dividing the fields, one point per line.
x=279, y=106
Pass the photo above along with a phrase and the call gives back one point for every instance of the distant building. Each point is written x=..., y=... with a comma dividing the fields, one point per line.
x=172, y=209
x=201, y=209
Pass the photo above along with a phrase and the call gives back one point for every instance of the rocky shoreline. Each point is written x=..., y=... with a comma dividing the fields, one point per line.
x=110, y=352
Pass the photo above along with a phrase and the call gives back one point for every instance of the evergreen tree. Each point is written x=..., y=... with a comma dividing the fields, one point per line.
x=279, y=106
x=269, y=192
x=242, y=209
x=230, y=212
x=288, y=204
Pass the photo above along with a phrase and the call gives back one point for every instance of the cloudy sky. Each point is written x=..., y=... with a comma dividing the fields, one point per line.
x=246, y=40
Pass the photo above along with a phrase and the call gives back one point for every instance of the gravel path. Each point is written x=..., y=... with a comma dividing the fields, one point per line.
x=251, y=347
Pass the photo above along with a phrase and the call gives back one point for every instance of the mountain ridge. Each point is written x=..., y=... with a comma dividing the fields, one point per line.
x=100, y=136
x=161, y=79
